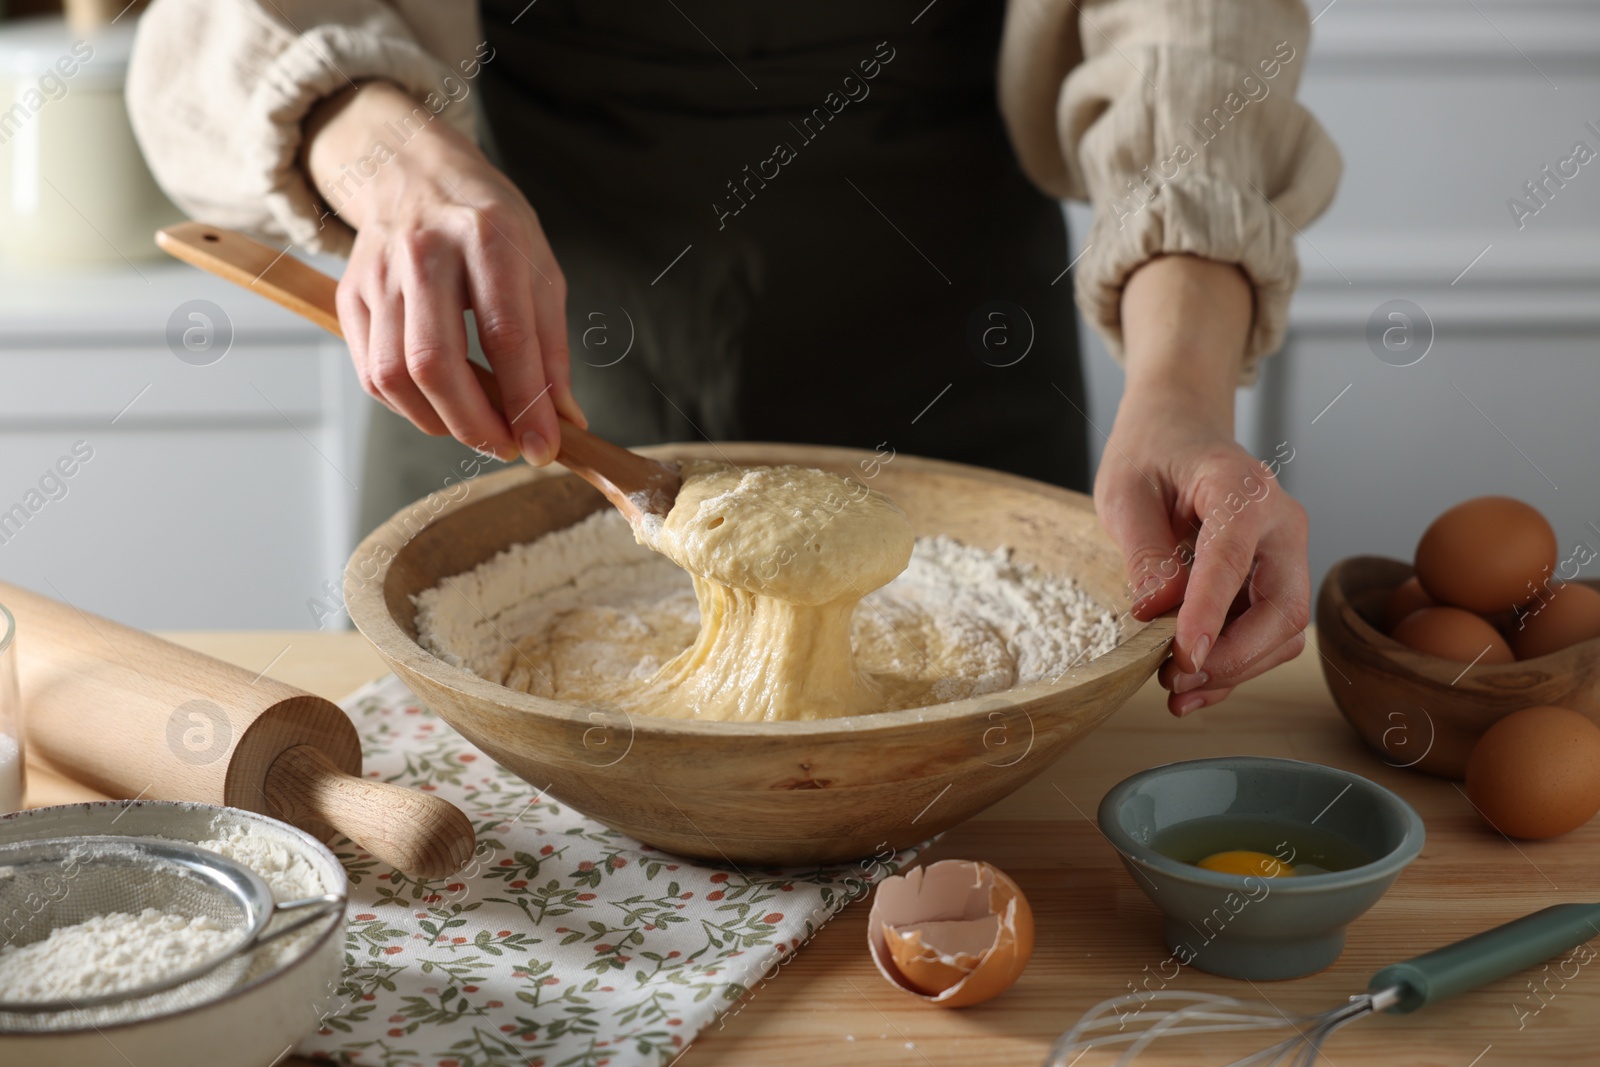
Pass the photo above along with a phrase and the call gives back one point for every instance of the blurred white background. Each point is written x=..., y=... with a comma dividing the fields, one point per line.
x=224, y=495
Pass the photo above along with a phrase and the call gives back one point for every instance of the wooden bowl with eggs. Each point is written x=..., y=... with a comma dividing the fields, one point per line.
x=1422, y=711
x=783, y=793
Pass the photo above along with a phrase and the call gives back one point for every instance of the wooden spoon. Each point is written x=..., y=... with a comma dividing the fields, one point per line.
x=87, y=16
x=636, y=485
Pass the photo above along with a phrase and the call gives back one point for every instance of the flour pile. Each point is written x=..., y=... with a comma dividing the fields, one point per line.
x=287, y=873
x=118, y=952
x=586, y=615
x=107, y=954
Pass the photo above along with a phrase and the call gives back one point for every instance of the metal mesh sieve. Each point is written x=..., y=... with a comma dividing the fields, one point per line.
x=52, y=884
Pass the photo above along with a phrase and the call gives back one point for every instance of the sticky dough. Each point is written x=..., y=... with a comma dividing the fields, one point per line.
x=780, y=557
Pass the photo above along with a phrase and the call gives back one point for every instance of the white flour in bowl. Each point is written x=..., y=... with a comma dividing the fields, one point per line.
x=120, y=951
x=587, y=615
x=110, y=953
x=287, y=873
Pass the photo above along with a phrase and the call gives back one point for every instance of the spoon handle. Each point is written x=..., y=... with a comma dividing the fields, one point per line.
x=281, y=278
x=618, y=473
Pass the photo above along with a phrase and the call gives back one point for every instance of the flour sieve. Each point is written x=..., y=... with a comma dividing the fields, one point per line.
x=56, y=883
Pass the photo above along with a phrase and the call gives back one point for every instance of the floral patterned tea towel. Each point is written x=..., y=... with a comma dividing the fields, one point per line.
x=563, y=943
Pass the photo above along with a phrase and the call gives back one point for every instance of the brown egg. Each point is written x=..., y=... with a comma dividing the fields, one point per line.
x=1504, y=621
x=1451, y=633
x=955, y=933
x=1407, y=597
x=1486, y=554
x=1536, y=772
x=1564, y=616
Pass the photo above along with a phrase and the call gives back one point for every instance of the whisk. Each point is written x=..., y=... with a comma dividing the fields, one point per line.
x=1138, y=1020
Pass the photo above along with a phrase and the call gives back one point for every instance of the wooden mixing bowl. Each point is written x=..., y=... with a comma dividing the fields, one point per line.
x=1421, y=711
x=764, y=793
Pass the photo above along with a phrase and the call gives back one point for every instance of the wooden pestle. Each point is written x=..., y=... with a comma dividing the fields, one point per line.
x=135, y=716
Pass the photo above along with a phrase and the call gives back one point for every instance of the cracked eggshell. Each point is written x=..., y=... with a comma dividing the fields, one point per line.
x=953, y=933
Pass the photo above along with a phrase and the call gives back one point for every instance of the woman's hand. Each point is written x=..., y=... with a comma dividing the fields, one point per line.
x=439, y=230
x=1199, y=520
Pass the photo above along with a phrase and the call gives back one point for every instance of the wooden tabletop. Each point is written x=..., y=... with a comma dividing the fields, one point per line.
x=1097, y=933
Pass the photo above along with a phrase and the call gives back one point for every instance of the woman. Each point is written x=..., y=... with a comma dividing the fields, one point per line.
x=827, y=222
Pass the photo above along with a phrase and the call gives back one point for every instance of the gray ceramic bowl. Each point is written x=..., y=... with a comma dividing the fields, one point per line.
x=1244, y=926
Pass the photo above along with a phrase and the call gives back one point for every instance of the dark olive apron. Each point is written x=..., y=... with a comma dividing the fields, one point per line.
x=796, y=222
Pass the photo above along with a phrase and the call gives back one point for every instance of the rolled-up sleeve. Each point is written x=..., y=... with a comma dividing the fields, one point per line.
x=1177, y=120
x=218, y=91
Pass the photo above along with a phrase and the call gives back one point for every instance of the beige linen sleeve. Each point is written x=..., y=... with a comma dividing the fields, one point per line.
x=218, y=89
x=1177, y=120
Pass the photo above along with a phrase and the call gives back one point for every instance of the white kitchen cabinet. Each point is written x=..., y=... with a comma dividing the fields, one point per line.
x=218, y=495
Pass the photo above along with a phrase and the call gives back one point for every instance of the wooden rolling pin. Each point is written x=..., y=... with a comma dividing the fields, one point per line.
x=135, y=716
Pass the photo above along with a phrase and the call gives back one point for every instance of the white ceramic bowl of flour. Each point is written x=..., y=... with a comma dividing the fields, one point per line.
x=290, y=987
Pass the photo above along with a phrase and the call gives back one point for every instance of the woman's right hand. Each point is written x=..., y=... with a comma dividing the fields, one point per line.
x=439, y=230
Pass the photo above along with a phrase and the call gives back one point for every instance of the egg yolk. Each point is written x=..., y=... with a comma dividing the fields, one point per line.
x=1243, y=862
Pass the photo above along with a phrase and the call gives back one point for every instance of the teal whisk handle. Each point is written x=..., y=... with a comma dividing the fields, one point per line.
x=1482, y=958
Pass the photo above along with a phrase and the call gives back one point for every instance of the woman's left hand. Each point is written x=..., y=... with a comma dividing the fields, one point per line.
x=1200, y=521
